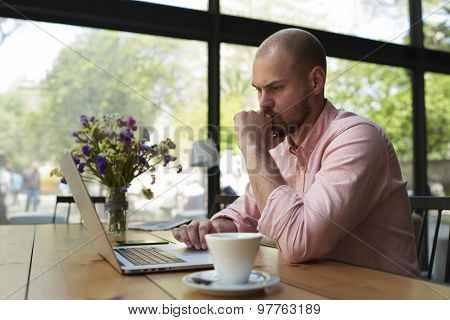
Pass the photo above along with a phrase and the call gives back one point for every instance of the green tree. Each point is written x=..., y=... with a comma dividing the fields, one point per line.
x=436, y=24
x=380, y=93
x=236, y=92
x=102, y=72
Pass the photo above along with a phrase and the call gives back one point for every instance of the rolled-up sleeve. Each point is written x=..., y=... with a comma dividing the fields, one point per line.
x=354, y=174
x=244, y=212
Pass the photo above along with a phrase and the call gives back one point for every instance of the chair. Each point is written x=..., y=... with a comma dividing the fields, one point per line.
x=69, y=200
x=420, y=207
x=221, y=201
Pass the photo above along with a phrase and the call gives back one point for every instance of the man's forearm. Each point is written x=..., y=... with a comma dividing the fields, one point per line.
x=264, y=175
x=224, y=225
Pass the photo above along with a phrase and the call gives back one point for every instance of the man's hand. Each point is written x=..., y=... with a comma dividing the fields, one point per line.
x=257, y=133
x=193, y=235
x=256, y=130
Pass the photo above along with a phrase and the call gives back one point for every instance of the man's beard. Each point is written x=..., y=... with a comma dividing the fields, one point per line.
x=282, y=130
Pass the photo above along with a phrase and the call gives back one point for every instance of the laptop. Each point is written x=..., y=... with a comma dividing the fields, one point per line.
x=129, y=259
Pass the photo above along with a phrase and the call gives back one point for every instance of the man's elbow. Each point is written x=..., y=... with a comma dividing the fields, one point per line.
x=294, y=259
x=300, y=254
x=295, y=255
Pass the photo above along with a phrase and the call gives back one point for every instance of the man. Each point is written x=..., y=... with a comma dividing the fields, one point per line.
x=3, y=188
x=32, y=185
x=331, y=184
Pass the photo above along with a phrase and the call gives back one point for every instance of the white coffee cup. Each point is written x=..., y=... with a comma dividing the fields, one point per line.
x=233, y=255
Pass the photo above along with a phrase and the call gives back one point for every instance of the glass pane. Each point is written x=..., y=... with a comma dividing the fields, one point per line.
x=191, y=4
x=436, y=26
x=380, y=93
x=437, y=105
x=386, y=20
x=236, y=94
x=51, y=74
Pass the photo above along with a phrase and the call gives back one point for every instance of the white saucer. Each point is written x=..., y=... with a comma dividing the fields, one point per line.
x=207, y=282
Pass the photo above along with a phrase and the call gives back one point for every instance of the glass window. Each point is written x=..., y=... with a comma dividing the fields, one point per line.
x=52, y=74
x=437, y=104
x=191, y=4
x=236, y=94
x=380, y=93
x=436, y=26
x=386, y=20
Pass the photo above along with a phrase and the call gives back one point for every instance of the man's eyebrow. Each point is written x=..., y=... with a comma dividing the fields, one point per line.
x=270, y=84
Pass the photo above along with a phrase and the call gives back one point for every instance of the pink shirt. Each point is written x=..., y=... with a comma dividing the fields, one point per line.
x=345, y=198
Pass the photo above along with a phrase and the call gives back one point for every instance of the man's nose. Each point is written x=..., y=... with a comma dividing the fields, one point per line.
x=266, y=103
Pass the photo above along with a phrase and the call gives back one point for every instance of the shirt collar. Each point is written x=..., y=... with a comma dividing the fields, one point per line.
x=327, y=115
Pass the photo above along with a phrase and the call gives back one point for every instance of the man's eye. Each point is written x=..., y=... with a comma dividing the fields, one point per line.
x=258, y=90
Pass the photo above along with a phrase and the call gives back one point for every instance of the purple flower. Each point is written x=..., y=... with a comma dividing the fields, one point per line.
x=125, y=135
x=168, y=158
x=75, y=134
x=101, y=164
x=122, y=123
x=131, y=122
x=76, y=158
x=143, y=162
x=86, y=150
x=81, y=167
x=147, y=150
x=83, y=120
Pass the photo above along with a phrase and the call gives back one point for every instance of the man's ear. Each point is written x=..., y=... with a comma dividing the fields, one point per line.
x=317, y=78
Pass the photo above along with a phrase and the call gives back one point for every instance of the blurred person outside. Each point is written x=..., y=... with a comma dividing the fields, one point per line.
x=32, y=186
x=16, y=186
x=5, y=180
x=3, y=219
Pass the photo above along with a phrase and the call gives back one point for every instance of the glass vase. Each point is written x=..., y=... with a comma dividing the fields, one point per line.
x=116, y=208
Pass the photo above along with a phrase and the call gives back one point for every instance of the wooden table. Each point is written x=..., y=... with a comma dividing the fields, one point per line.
x=59, y=262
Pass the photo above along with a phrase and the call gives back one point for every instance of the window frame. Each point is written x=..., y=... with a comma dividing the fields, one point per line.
x=214, y=28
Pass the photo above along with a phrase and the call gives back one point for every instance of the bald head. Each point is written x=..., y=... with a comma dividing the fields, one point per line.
x=305, y=49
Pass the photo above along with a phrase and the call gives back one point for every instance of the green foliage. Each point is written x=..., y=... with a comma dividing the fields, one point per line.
x=17, y=120
x=437, y=103
x=236, y=92
x=436, y=24
x=102, y=72
x=380, y=93
x=106, y=71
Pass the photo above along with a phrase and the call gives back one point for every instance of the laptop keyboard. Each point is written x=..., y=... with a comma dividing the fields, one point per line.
x=152, y=255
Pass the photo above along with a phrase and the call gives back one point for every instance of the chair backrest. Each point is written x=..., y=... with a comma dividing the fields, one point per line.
x=221, y=201
x=69, y=200
x=225, y=200
x=420, y=207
